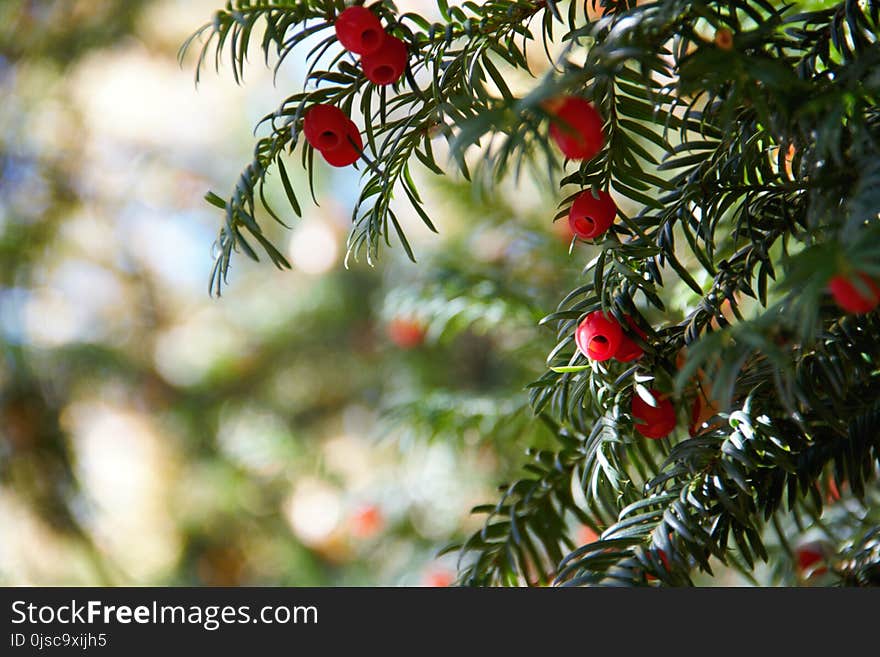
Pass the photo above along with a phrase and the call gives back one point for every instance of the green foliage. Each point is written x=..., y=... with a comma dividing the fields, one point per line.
x=747, y=175
x=55, y=31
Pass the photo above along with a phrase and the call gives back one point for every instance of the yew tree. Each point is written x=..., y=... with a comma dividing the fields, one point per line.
x=714, y=391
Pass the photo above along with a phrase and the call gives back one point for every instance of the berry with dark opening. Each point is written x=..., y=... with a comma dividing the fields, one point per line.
x=590, y=216
x=598, y=336
x=333, y=134
x=656, y=421
x=576, y=127
x=853, y=298
x=349, y=151
x=387, y=64
x=325, y=126
x=359, y=30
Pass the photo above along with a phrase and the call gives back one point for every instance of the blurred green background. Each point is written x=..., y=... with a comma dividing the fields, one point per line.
x=315, y=427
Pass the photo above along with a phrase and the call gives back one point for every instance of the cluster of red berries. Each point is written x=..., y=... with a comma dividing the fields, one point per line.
x=600, y=338
x=576, y=128
x=855, y=297
x=383, y=57
x=383, y=60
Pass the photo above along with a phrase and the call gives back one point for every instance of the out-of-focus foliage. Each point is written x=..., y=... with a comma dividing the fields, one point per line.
x=320, y=426
x=63, y=30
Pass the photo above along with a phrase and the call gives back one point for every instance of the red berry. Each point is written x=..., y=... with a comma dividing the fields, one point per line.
x=724, y=39
x=586, y=535
x=406, y=333
x=359, y=30
x=808, y=556
x=576, y=127
x=331, y=132
x=598, y=337
x=666, y=564
x=388, y=63
x=325, y=126
x=590, y=216
x=854, y=299
x=629, y=349
x=833, y=491
x=653, y=421
x=349, y=151
x=703, y=410
x=664, y=559
x=366, y=521
x=439, y=579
